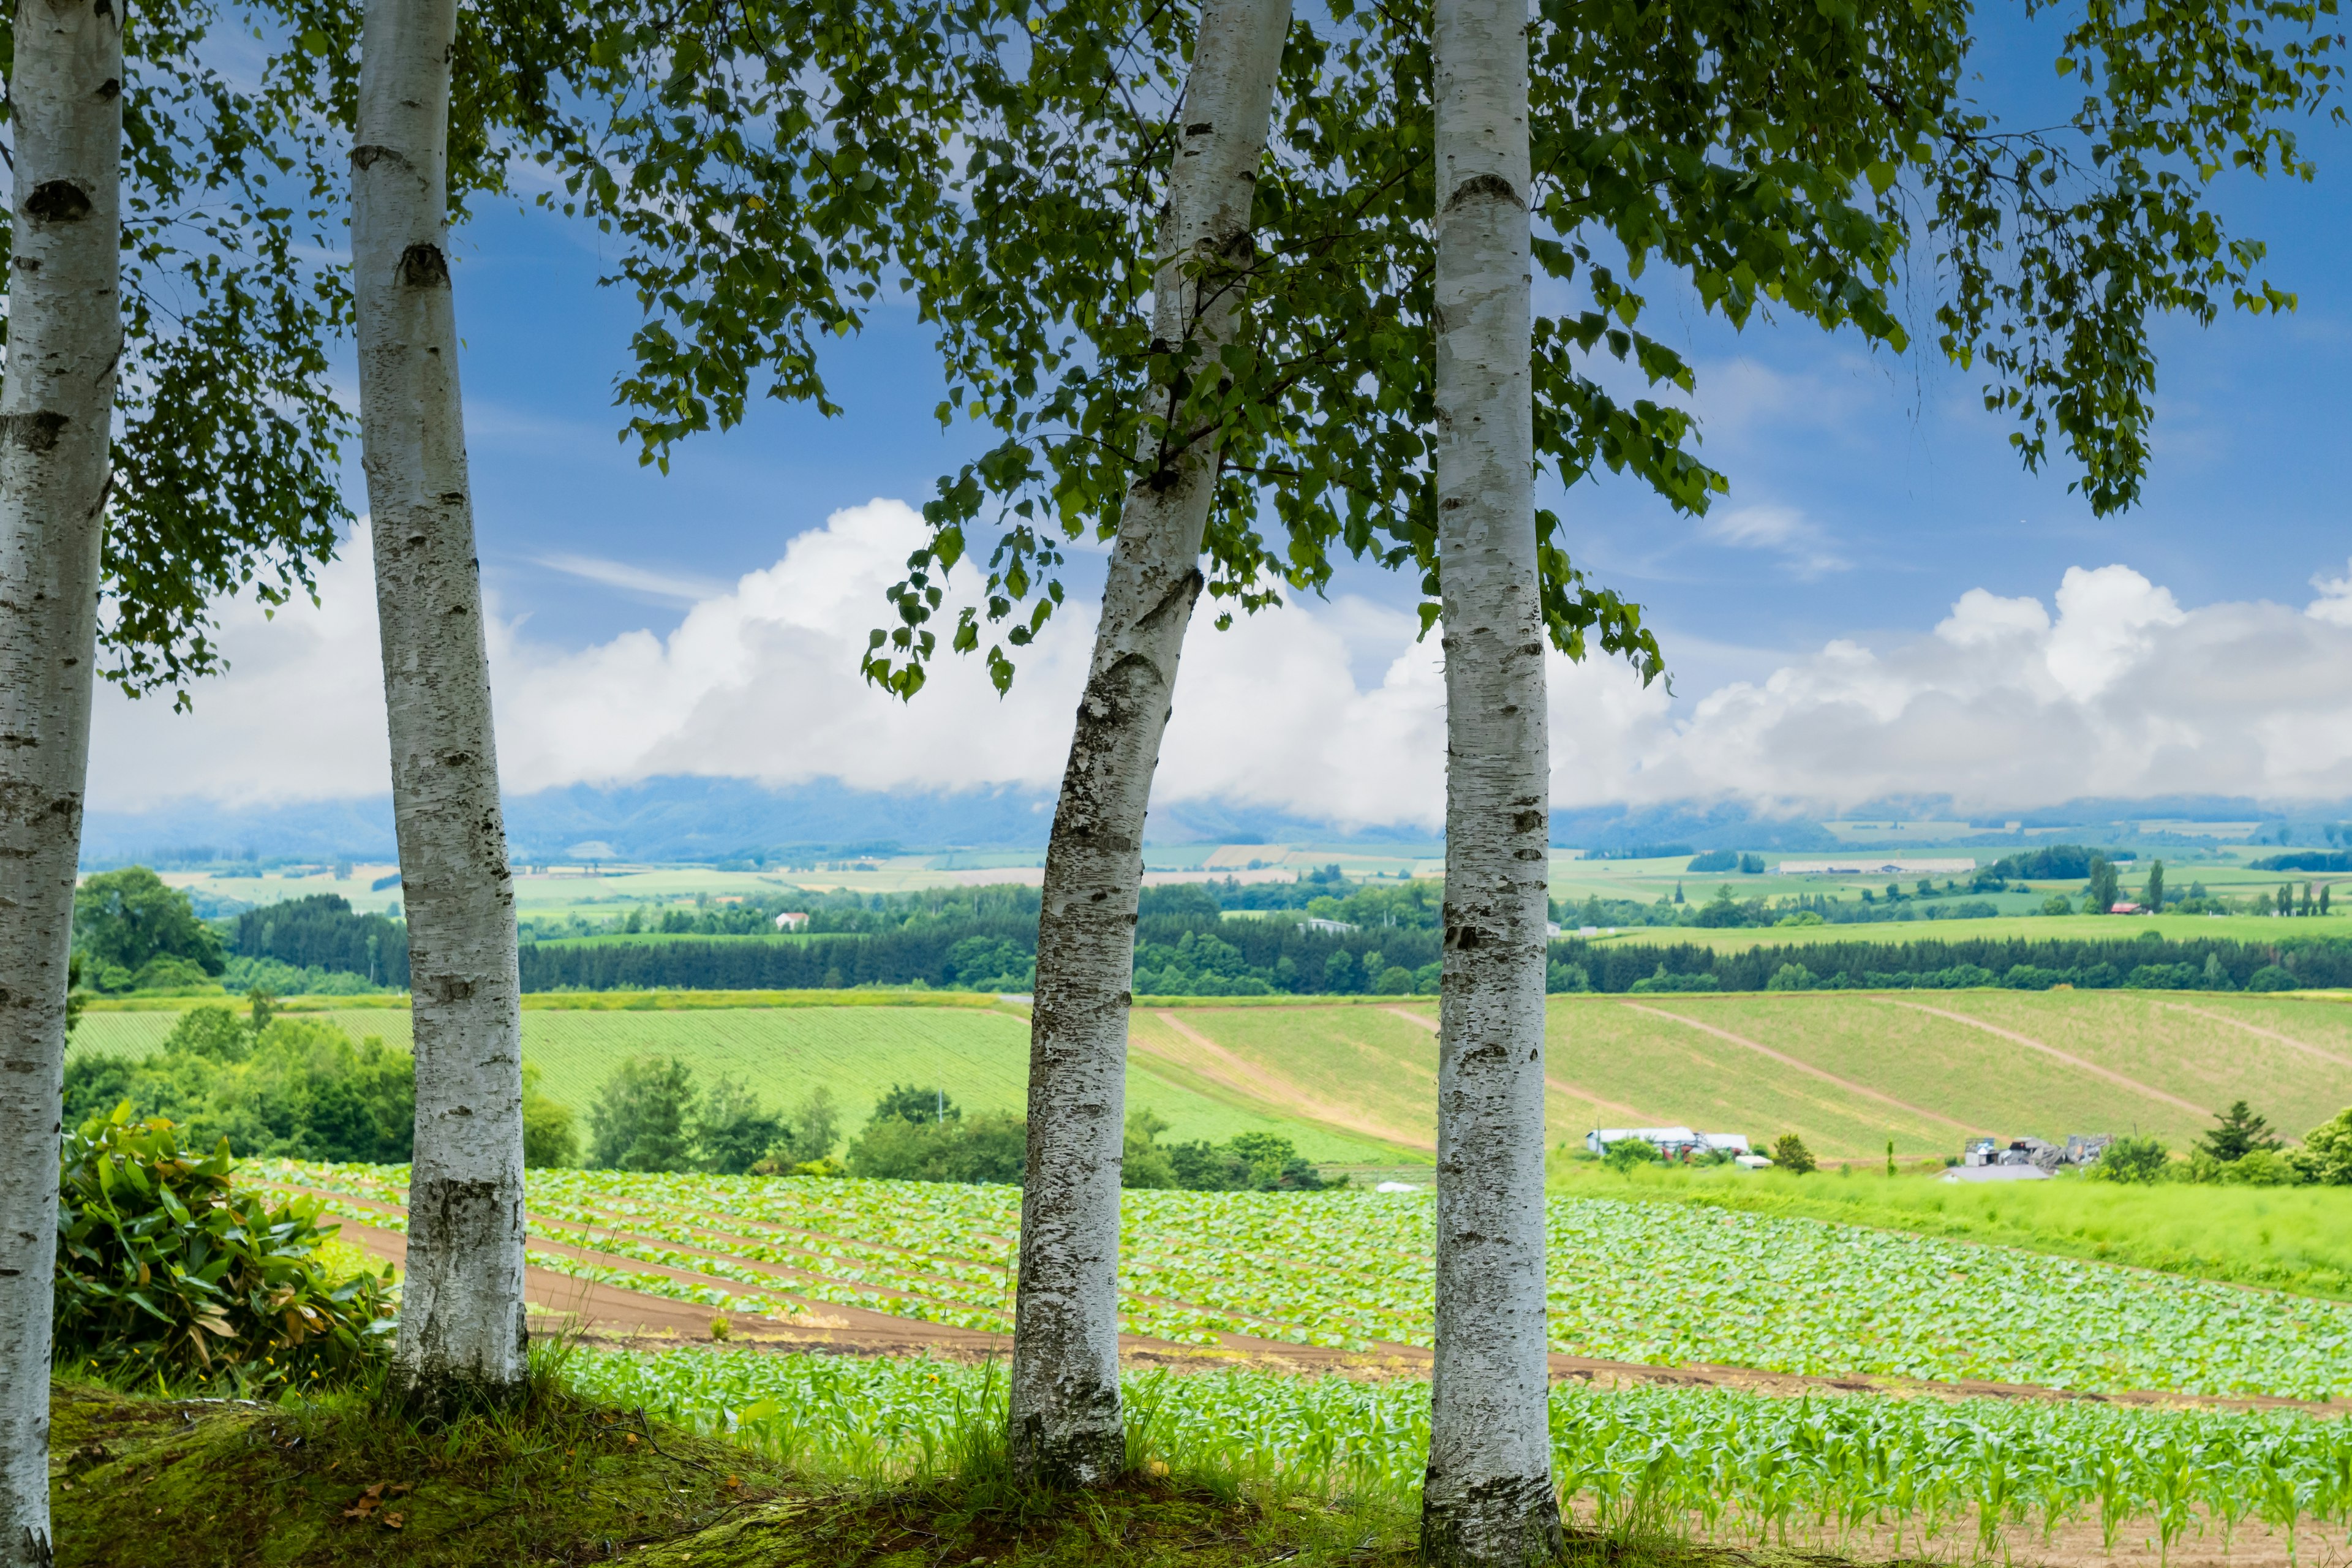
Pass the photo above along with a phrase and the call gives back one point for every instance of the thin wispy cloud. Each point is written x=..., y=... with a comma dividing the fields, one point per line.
x=662, y=588
x=1783, y=531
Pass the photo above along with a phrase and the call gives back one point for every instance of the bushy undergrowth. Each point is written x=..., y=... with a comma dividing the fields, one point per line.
x=166, y=1268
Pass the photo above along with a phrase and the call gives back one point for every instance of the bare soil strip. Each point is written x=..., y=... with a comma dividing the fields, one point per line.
x=1261, y=1084
x=2069, y=1058
x=1789, y=1061
x=2305, y=1047
x=1558, y=1086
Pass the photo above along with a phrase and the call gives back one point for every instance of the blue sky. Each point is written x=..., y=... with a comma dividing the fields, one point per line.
x=1870, y=495
x=1868, y=488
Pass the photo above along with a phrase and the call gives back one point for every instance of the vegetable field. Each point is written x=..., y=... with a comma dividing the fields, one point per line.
x=1910, y=1478
x=1667, y=1285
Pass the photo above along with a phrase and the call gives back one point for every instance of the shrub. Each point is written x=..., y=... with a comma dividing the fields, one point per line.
x=163, y=1264
x=1789, y=1155
x=2270, y=977
x=1790, y=977
x=2137, y=1160
x=638, y=1123
x=2261, y=1168
x=989, y=1147
x=297, y=1087
x=2325, y=1156
x=1628, y=1154
x=1245, y=1162
x=1143, y=1163
x=1559, y=979
x=548, y=1140
x=1662, y=981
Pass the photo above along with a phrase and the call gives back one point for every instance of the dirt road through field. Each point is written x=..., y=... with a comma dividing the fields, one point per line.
x=2305, y=1047
x=1558, y=1086
x=2072, y=1060
x=1844, y=1083
x=1223, y=1067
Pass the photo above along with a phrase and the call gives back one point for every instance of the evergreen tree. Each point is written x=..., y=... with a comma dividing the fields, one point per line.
x=2239, y=1133
x=2154, y=894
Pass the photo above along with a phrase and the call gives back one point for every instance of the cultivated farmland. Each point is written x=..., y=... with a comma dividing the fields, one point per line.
x=1665, y=1285
x=1918, y=1479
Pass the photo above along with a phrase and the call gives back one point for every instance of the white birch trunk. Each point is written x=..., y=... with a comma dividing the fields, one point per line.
x=1489, y=1498
x=461, y=1322
x=57, y=408
x=1066, y=1425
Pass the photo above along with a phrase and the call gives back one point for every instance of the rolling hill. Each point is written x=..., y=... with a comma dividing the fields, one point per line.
x=1357, y=1083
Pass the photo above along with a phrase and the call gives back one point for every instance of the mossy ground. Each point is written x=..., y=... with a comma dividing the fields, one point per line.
x=151, y=1482
x=344, y=1482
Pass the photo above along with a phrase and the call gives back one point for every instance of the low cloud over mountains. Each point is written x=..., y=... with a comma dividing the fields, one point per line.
x=2111, y=688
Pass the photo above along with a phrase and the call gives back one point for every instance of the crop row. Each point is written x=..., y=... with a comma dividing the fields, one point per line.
x=1651, y=1283
x=1708, y=1462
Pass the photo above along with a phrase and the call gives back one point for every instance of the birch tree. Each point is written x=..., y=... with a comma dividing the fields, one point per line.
x=1065, y=1384
x=461, y=1324
x=1487, y=1498
x=57, y=407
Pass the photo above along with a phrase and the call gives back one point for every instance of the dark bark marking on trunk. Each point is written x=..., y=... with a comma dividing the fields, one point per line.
x=36, y=432
x=423, y=267
x=58, y=201
x=1478, y=185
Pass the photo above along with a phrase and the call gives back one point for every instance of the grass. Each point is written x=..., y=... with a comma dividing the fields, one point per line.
x=977, y=1050
x=1352, y=1080
x=142, y=1481
x=2145, y=1062
x=2288, y=1238
x=342, y=1478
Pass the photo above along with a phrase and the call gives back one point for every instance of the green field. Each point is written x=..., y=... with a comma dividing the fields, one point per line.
x=1355, y=1082
x=2289, y=1239
x=979, y=1054
x=1665, y=1284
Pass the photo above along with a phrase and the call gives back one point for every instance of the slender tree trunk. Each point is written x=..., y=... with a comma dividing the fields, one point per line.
x=1065, y=1390
x=1488, y=1499
x=56, y=406
x=461, y=1322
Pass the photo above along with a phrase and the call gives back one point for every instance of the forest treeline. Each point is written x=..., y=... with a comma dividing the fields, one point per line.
x=1332, y=937
x=2147, y=960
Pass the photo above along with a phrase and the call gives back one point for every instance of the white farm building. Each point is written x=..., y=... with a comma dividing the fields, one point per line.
x=1673, y=1142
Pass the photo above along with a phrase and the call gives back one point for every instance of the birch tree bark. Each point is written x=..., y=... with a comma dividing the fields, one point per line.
x=461, y=1321
x=1488, y=1498
x=1066, y=1419
x=56, y=403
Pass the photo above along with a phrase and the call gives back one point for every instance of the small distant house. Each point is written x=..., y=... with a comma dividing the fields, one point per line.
x=793, y=920
x=1329, y=928
x=2125, y=908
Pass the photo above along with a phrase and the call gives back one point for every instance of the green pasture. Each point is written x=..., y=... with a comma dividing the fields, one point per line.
x=1353, y=1080
x=2291, y=1239
x=978, y=1053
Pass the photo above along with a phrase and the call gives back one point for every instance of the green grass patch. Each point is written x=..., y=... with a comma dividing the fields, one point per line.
x=2287, y=1238
x=156, y=1482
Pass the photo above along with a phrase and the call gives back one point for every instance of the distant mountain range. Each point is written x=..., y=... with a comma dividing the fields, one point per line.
x=712, y=819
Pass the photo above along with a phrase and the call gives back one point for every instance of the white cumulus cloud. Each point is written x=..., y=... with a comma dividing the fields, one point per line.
x=1331, y=711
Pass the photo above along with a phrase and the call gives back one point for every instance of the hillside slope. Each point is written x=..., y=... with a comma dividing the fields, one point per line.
x=1358, y=1083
